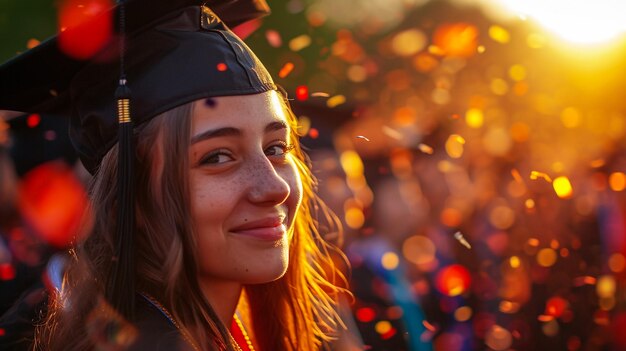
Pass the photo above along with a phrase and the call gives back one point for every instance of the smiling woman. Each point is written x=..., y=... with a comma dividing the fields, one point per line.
x=203, y=235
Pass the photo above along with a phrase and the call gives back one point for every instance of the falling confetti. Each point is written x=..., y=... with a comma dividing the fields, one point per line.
x=335, y=101
x=429, y=326
x=300, y=42
x=31, y=43
x=499, y=34
x=320, y=94
x=454, y=146
x=86, y=27
x=273, y=38
x=516, y=175
x=459, y=237
x=534, y=175
x=41, y=191
x=425, y=149
x=392, y=133
x=286, y=69
x=302, y=93
x=222, y=67
x=33, y=120
x=362, y=137
x=562, y=187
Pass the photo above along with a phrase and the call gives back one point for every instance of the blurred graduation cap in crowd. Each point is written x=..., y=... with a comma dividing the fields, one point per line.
x=35, y=139
x=164, y=54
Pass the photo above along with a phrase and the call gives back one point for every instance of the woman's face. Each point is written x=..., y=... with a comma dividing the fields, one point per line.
x=245, y=189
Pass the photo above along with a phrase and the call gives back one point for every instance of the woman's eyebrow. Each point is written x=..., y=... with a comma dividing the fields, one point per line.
x=231, y=131
x=276, y=125
x=214, y=133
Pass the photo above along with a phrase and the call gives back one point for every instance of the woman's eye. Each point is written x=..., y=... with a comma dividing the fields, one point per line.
x=216, y=158
x=279, y=149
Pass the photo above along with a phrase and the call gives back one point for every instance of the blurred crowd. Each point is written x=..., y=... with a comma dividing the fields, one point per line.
x=478, y=167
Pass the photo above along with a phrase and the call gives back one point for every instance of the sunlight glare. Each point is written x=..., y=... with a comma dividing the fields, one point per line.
x=576, y=21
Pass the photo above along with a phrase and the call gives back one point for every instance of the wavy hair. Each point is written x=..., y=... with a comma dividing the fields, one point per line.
x=296, y=312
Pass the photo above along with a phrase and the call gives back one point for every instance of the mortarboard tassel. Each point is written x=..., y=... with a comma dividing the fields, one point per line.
x=121, y=280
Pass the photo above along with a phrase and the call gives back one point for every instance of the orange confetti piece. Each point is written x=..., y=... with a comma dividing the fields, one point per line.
x=584, y=280
x=597, y=163
x=287, y=68
x=31, y=43
x=425, y=149
x=222, y=67
x=429, y=326
x=516, y=175
x=534, y=175
x=544, y=318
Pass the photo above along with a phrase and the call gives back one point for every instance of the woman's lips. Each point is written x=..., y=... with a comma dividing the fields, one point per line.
x=270, y=229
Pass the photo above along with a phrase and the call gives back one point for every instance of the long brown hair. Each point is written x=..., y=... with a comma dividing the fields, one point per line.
x=295, y=312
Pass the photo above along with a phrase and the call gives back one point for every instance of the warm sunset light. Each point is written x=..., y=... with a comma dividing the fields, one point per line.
x=576, y=21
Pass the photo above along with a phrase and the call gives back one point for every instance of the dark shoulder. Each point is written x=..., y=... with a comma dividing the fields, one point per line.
x=156, y=332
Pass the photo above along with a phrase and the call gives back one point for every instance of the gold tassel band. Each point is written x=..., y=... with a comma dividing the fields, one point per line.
x=123, y=110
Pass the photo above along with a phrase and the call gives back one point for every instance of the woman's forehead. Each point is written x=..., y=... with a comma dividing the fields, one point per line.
x=240, y=111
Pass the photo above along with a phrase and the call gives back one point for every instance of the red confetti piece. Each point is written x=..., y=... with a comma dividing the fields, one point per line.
x=287, y=68
x=86, y=27
x=302, y=93
x=453, y=280
x=389, y=334
x=2, y=332
x=222, y=67
x=245, y=29
x=7, y=271
x=273, y=38
x=555, y=306
x=33, y=120
x=365, y=314
x=314, y=133
x=53, y=202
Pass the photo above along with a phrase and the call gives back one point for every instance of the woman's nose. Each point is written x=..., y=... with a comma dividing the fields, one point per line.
x=267, y=186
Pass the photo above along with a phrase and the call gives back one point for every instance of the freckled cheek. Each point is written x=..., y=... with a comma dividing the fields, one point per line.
x=292, y=177
x=210, y=204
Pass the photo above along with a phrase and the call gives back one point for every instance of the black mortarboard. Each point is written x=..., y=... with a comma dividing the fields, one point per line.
x=175, y=53
x=168, y=52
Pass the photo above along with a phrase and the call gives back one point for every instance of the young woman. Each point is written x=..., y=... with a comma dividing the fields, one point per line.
x=227, y=254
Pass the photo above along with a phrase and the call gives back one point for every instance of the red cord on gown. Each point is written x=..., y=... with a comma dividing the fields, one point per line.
x=239, y=336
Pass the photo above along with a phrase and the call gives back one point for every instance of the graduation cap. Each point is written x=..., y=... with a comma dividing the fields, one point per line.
x=37, y=139
x=169, y=53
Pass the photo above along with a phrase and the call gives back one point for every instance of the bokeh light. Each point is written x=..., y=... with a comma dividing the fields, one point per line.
x=453, y=280
x=40, y=194
x=85, y=27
